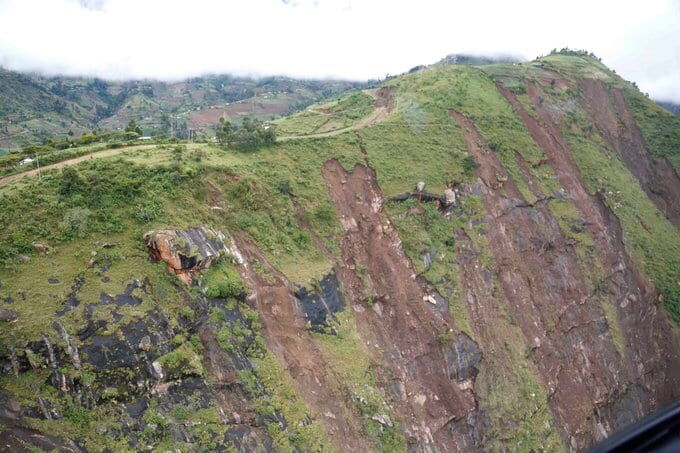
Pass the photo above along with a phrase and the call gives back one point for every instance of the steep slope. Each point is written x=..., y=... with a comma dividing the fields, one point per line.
x=337, y=308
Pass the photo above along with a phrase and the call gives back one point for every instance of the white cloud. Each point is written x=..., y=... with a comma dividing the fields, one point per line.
x=171, y=39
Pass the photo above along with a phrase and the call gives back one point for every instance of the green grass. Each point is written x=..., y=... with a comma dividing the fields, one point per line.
x=429, y=95
x=651, y=238
x=327, y=117
x=351, y=364
x=659, y=127
x=271, y=387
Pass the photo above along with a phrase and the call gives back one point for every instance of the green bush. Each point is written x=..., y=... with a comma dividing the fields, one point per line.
x=76, y=221
x=223, y=282
x=147, y=211
x=469, y=164
x=78, y=416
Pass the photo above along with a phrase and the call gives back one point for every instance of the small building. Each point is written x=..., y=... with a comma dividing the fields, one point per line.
x=26, y=161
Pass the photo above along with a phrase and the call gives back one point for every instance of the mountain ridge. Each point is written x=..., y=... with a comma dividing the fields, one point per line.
x=49, y=107
x=491, y=264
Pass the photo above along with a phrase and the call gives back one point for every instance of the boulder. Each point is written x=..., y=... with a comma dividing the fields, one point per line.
x=41, y=248
x=188, y=253
x=145, y=343
x=463, y=356
x=449, y=197
x=8, y=315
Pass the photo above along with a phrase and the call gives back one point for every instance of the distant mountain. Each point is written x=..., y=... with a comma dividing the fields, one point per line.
x=476, y=60
x=35, y=108
x=670, y=106
x=467, y=59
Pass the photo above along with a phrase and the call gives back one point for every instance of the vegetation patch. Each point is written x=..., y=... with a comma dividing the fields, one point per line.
x=348, y=359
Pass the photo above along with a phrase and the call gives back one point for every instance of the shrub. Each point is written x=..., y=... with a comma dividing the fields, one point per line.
x=223, y=282
x=469, y=164
x=78, y=416
x=147, y=211
x=76, y=221
x=71, y=182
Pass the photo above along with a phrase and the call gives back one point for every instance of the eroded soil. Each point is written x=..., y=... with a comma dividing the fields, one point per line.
x=406, y=333
x=647, y=375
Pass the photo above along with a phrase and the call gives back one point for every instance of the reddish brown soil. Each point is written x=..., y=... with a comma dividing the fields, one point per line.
x=403, y=331
x=608, y=111
x=210, y=117
x=384, y=98
x=528, y=177
x=287, y=337
x=547, y=292
x=648, y=376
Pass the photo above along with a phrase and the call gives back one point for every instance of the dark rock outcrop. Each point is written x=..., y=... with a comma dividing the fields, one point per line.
x=322, y=301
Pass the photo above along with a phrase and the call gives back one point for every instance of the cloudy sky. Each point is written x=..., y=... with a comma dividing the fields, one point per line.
x=356, y=39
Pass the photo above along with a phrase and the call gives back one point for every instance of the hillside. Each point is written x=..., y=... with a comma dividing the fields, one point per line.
x=307, y=297
x=36, y=108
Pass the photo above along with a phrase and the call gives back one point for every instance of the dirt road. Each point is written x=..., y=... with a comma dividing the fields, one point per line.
x=383, y=107
x=63, y=163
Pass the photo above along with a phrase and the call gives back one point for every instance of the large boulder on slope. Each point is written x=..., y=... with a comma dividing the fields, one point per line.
x=187, y=253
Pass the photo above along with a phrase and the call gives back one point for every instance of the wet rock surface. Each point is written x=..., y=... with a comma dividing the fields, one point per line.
x=463, y=356
x=139, y=365
x=321, y=301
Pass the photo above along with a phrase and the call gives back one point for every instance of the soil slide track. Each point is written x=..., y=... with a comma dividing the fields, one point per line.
x=648, y=376
x=287, y=337
x=608, y=111
x=417, y=371
x=539, y=273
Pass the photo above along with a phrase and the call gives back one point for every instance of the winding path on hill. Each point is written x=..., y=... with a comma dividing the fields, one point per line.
x=383, y=107
x=64, y=163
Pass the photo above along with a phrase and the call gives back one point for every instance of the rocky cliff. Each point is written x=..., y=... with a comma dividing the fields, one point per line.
x=491, y=264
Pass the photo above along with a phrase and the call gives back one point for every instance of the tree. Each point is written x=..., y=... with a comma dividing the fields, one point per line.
x=71, y=182
x=225, y=132
x=165, y=124
x=133, y=128
x=252, y=134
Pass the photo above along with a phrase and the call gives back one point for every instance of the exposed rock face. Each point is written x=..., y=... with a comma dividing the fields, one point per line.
x=588, y=375
x=321, y=302
x=608, y=111
x=187, y=253
x=129, y=368
x=527, y=327
x=405, y=327
x=287, y=336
